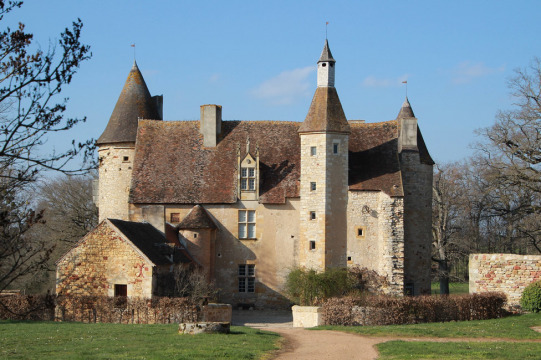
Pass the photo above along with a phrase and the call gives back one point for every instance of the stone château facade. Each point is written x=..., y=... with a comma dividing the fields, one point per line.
x=250, y=200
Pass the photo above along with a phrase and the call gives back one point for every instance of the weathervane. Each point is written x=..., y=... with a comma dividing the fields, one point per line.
x=406, y=82
x=133, y=46
x=326, y=26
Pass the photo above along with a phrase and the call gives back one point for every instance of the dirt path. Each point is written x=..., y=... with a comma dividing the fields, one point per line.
x=336, y=345
x=303, y=344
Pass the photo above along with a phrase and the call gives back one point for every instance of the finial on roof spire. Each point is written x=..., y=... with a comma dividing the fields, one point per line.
x=326, y=26
x=133, y=46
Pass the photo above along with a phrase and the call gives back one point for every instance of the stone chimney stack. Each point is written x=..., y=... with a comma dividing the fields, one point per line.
x=211, y=124
x=158, y=100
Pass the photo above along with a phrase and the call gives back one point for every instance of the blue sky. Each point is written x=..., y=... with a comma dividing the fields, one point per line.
x=257, y=58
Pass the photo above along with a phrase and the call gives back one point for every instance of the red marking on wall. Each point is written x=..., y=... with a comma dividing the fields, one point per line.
x=141, y=267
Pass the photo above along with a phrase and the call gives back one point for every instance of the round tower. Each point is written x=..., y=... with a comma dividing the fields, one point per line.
x=116, y=146
x=324, y=136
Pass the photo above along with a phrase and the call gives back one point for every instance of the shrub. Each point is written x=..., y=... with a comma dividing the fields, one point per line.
x=307, y=287
x=531, y=297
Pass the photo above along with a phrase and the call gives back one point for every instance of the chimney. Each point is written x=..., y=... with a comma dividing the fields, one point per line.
x=158, y=101
x=211, y=124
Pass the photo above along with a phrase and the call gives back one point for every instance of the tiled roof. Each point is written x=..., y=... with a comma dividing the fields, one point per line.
x=150, y=242
x=133, y=103
x=325, y=113
x=326, y=53
x=197, y=218
x=406, y=111
x=171, y=165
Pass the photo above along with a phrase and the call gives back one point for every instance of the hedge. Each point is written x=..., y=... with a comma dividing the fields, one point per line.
x=99, y=309
x=386, y=310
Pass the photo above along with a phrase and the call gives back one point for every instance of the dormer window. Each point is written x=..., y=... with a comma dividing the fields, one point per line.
x=247, y=179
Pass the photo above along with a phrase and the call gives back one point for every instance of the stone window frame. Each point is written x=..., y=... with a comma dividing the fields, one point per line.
x=312, y=245
x=246, y=278
x=313, y=186
x=247, y=179
x=336, y=147
x=247, y=224
x=313, y=215
x=313, y=150
x=363, y=232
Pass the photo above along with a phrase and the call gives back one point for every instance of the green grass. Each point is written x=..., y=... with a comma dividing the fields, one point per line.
x=454, y=288
x=397, y=350
x=512, y=327
x=50, y=340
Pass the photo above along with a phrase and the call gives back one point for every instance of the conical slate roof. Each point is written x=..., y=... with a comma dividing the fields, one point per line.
x=133, y=103
x=326, y=53
x=197, y=218
x=405, y=111
x=325, y=113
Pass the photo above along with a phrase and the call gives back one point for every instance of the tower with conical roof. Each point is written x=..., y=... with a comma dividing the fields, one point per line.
x=324, y=136
x=116, y=146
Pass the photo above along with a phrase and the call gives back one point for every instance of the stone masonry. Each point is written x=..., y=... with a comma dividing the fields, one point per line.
x=507, y=273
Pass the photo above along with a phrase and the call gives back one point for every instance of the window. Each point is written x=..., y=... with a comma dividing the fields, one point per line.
x=313, y=186
x=360, y=232
x=175, y=217
x=126, y=159
x=246, y=224
x=246, y=278
x=312, y=245
x=247, y=179
x=335, y=148
x=349, y=258
x=121, y=290
x=195, y=235
x=312, y=215
x=313, y=151
x=324, y=64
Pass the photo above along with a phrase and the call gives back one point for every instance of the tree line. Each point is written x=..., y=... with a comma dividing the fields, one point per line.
x=491, y=201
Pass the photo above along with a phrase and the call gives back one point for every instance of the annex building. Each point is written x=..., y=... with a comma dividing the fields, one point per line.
x=250, y=200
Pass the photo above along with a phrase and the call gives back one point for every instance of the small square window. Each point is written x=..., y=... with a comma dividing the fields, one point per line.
x=125, y=158
x=335, y=148
x=195, y=235
x=312, y=215
x=175, y=217
x=312, y=245
x=313, y=151
x=349, y=258
x=313, y=186
x=360, y=232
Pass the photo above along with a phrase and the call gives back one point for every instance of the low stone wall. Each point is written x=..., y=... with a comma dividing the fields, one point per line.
x=505, y=273
x=217, y=313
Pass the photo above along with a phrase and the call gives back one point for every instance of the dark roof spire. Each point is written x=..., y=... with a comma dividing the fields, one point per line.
x=133, y=103
x=326, y=53
x=406, y=111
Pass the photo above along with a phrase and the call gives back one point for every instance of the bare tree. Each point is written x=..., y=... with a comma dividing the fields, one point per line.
x=30, y=81
x=512, y=156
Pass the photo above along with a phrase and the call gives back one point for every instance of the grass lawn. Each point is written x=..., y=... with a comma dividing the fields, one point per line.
x=512, y=327
x=454, y=288
x=50, y=340
x=398, y=350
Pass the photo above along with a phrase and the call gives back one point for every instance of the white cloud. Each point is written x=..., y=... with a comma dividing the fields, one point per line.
x=286, y=87
x=466, y=71
x=372, y=81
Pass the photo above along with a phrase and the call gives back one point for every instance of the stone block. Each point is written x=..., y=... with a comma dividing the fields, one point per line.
x=307, y=316
x=204, y=328
x=217, y=313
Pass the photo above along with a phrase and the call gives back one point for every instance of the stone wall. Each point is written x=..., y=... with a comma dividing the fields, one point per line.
x=380, y=247
x=417, y=185
x=273, y=251
x=115, y=170
x=507, y=273
x=102, y=259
